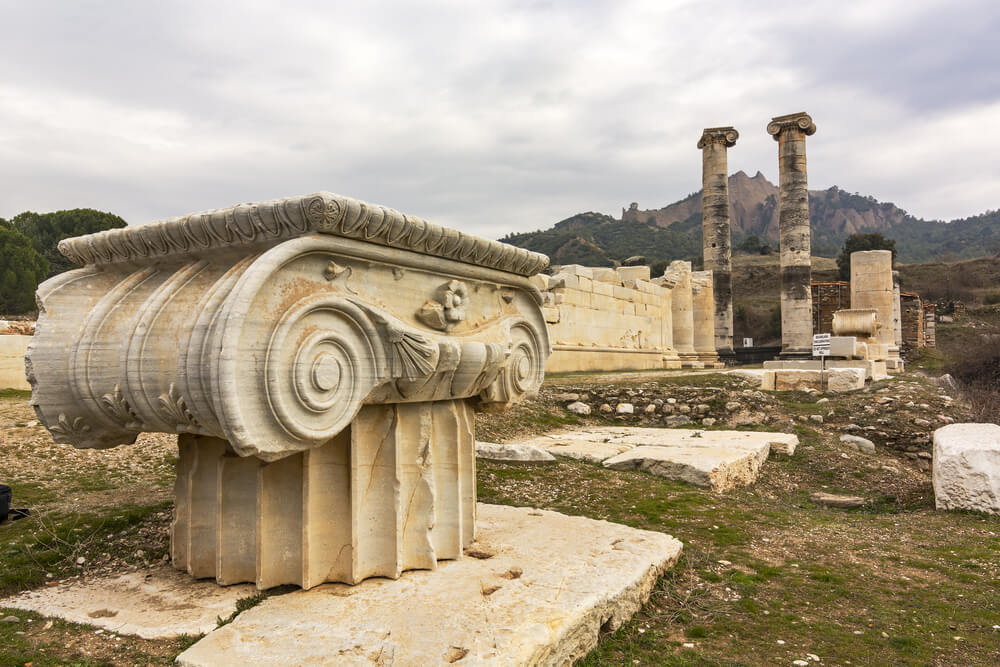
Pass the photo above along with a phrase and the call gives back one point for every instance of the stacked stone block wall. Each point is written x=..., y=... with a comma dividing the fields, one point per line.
x=607, y=319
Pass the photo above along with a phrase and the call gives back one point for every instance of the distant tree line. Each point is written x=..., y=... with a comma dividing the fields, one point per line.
x=29, y=252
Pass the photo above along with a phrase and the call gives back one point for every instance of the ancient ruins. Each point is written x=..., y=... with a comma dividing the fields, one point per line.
x=319, y=358
x=716, y=229
x=794, y=235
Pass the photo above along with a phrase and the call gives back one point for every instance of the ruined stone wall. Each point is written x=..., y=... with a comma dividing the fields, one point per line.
x=912, y=321
x=930, y=318
x=828, y=298
x=607, y=319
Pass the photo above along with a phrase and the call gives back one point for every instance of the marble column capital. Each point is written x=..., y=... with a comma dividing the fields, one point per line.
x=800, y=122
x=726, y=136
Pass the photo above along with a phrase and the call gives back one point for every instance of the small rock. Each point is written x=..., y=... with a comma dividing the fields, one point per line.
x=925, y=455
x=800, y=663
x=684, y=409
x=703, y=409
x=733, y=406
x=851, y=427
x=567, y=398
x=858, y=443
x=945, y=420
x=605, y=408
x=10, y=619
x=649, y=409
x=816, y=418
x=579, y=408
x=676, y=420
x=672, y=401
x=708, y=421
x=836, y=500
x=81, y=560
x=823, y=400
x=921, y=422
x=894, y=471
x=625, y=409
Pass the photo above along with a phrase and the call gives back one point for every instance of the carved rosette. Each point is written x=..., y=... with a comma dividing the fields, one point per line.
x=797, y=122
x=276, y=347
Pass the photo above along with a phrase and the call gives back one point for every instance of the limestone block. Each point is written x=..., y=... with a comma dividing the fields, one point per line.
x=511, y=452
x=767, y=380
x=967, y=467
x=157, y=603
x=551, y=315
x=845, y=379
x=12, y=350
x=716, y=468
x=317, y=356
x=604, y=289
x=540, y=281
x=633, y=273
x=552, y=585
x=796, y=380
x=605, y=275
x=872, y=288
x=576, y=270
x=843, y=346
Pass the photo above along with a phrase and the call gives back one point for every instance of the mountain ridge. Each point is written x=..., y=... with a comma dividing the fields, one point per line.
x=674, y=231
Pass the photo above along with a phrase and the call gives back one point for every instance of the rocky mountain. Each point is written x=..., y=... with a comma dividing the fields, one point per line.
x=674, y=231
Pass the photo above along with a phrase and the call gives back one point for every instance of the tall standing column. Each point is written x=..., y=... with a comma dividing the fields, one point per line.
x=793, y=231
x=716, y=230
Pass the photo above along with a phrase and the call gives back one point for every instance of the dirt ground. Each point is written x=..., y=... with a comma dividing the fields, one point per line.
x=767, y=577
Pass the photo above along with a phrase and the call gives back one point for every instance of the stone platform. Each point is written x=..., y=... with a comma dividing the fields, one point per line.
x=538, y=588
x=717, y=460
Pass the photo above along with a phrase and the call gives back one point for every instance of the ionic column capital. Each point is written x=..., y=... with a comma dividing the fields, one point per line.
x=801, y=122
x=725, y=136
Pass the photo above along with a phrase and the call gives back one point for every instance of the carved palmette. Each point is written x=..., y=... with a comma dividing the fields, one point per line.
x=273, y=347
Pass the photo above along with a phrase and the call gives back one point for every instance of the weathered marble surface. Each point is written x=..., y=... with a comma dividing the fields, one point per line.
x=967, y=467
x=155, y=603
x=550, y=584
x=320, y=357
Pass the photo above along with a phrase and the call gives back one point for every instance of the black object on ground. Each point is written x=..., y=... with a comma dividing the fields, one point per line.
x=5, y=511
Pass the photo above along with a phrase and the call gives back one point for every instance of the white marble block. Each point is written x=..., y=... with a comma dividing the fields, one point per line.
x=320, y=358
x=967, y=467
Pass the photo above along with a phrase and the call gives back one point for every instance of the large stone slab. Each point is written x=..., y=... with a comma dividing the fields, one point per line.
x=154, y=604
x=600, y=443
x=552, y=583
x=716, y=468
x=967, y=467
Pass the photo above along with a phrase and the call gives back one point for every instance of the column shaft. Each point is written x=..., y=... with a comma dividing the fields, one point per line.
x=794, y=235
x=717, y=230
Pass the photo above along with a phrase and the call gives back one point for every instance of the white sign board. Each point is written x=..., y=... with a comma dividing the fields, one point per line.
x=748, y=342
x=821, y=345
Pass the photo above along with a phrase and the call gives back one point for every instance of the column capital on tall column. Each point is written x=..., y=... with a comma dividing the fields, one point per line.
x=726, y=136
x=801, y=122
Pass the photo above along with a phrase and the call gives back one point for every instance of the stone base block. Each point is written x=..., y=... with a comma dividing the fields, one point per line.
x=894, y=366
x=967, y=467
x=692, y=364
x=542, y=589
x=845, y=379
x=395, y=491
x=832, y=379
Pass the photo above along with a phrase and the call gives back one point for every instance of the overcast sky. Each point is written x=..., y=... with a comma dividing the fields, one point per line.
x=489, y=116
